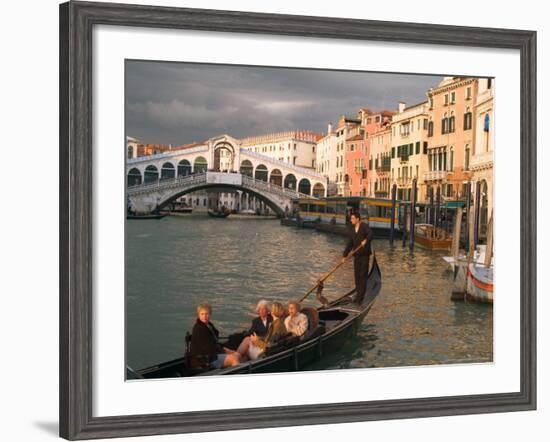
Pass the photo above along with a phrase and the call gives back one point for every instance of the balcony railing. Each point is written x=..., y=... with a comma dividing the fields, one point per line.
x=435, y=175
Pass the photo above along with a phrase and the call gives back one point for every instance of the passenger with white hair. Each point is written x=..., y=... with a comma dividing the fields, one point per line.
x=261, y=323
x=259, y=327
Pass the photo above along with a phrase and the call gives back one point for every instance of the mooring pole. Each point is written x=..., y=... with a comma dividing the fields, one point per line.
x=405, y=210
x=413, y=213
x=477, y=209
x=392, y=222
x=468, y=205
x=437, y=206
x=430, y=219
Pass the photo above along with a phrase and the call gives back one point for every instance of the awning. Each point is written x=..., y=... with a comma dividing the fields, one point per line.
x=454, y=204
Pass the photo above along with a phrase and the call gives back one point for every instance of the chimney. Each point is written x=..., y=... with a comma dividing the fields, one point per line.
x=401, y=106
x=329, y=129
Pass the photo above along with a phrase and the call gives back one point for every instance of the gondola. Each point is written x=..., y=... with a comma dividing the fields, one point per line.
x=219, y=213
x=338, y=322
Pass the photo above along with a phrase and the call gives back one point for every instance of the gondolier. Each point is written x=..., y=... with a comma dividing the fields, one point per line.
x=361, y=235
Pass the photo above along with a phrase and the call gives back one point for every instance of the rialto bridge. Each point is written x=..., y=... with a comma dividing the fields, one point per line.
x=218, y=165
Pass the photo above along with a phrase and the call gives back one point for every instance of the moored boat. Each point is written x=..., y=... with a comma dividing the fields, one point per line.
x=337, y=323
x=433, y=238
x=479, y=285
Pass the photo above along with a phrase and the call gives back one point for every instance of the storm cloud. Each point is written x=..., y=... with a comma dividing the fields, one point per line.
x=181, y=103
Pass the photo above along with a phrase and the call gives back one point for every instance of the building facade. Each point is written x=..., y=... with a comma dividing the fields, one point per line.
x=451, y=136
x=296, y=147
x=481, y=161
x=409, y=159
x=134, y=148
x=377, y=146
x=327, y=159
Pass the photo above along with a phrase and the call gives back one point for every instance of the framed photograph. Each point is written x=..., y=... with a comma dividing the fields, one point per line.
x=339, y=213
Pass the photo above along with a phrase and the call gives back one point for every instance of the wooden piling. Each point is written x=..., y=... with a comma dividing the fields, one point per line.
x=468, y=205
x=477, y=209
x=430, y=219
x=413, y=214
x=437, y=207
x=405, y=210
x=392, y=222
x=455, y=245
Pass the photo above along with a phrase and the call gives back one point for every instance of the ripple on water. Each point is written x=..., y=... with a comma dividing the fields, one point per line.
x=173, y=264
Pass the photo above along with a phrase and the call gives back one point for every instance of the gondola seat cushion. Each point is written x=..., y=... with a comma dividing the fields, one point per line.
x=312, y=317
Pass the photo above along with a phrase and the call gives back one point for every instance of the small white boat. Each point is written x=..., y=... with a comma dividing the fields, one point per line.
x=479, y=285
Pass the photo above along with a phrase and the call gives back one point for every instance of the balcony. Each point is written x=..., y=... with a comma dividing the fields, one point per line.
x=435, y=175
x=481, y=161
x=404, y=181
x=383, y=168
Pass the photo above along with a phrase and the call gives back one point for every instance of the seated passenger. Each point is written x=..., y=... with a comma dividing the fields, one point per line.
x=205, y=349
x=275, y=333
x=295, y=322
x=259, y=327
x=260, y=324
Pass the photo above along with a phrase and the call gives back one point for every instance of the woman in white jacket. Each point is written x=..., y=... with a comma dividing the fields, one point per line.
x=296, y=322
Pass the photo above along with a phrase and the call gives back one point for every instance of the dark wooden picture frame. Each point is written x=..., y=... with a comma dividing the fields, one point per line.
x=76, y=243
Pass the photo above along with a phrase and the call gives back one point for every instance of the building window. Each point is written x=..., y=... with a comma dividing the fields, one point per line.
x=431, y=102
x=417, y=147
x=452, y=124
x=467, y=158
x=431, y=129
x=468, y=93
x=489, y=83
x=453, y=97
x=425, y=151
x=467, y=121
x=445, y=126
x=446, y=99
x=393, y=152
x=451, y=160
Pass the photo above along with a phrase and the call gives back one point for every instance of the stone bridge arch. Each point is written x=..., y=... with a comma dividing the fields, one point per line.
x=269, y=201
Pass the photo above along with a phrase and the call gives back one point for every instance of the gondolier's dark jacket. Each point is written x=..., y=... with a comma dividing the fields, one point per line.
x=258, y=326
x=364, y=232
x=204, y=343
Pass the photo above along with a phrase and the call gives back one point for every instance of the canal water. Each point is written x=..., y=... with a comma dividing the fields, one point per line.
x=174, y=263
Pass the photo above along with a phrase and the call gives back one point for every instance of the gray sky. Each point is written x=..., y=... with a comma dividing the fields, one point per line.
x=180, y=103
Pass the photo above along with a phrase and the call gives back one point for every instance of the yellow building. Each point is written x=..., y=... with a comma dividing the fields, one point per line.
x=409, y=159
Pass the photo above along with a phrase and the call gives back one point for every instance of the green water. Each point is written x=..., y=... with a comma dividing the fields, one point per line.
x=174, y=263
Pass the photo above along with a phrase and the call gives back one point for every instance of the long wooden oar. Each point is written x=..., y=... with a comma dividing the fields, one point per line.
x=327, y=275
